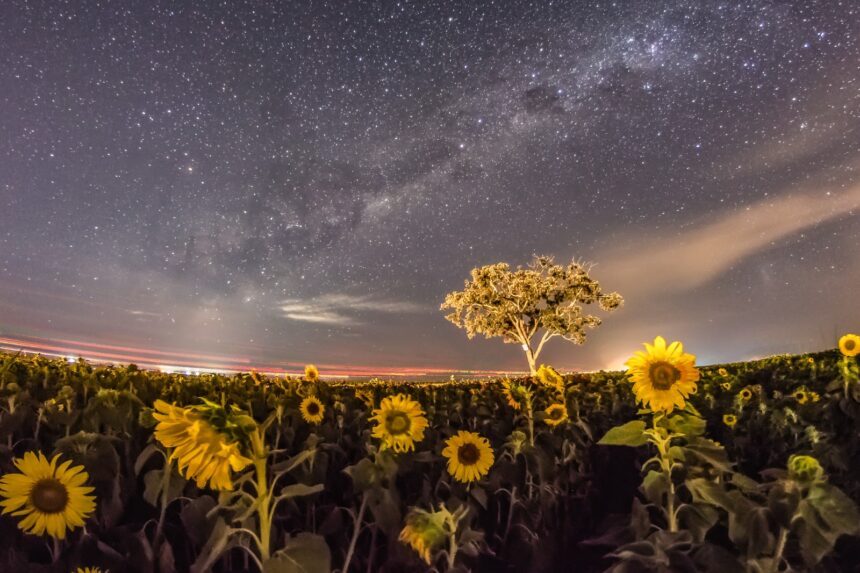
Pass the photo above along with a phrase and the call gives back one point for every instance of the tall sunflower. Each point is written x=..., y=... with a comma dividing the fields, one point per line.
x=849, y=345
x=663, y=377
x=470, y=456
x=203, y=453
x=555, y=414
x=312, y=410
x=51, y=498
x=400, y=422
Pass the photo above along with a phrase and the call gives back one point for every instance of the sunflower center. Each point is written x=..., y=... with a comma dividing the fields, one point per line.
x=313, y=408
x=49, y=496
x=397, y=423
x=850, y=344
x=663, y=375
x=468, y=454
x=555, y=413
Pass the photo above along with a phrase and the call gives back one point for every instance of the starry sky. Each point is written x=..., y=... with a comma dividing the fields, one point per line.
x=262, y=183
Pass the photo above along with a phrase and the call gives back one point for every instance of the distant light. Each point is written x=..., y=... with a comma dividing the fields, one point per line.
x=71, y=359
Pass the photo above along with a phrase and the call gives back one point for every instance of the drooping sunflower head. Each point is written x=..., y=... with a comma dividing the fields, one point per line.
x=730, y=420
x=805, y=469
x=548, y=376
x=425, y=532
x=312, y=410
x=555, y=414
x=312, y=374
x=849, y=345
x=50, y=498
x=366, y=396
x=516, y=394
x=400, y=422
x=470, y=456
x=663, y=376
x=203, y=453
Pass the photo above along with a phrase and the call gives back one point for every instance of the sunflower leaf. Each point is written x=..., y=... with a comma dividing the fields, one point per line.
x=629, y=434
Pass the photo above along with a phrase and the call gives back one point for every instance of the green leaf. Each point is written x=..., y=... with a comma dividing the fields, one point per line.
x=218, y=542
x=698, y=519
x=304, y=553
x=655, y=485
x=826, y=514
x=629, y=434
x=299, y=489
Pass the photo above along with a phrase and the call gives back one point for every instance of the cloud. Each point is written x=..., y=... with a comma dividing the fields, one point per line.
x=342, y=309
x=688, y=259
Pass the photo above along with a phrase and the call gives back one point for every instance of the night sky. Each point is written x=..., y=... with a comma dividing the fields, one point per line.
x=274, y=183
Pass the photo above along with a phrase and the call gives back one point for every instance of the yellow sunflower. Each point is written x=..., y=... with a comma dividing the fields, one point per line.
x=814, y=396
x=555, y=414
x=663, y=377
x=203, y=453
x=425, y=532
x=849, y=345
x=548, y=376
x=745, y=395
x=400, y=422
x=515, y=394
x=726, y=385
x=723, y=372
x=730, y=420
x=311, y=373
x=312, y=410
x=89, y=570
x=469, y=455
x=51, y=498
x=801, y=396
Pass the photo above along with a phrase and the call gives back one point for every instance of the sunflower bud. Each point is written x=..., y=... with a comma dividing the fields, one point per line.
x=805, y=469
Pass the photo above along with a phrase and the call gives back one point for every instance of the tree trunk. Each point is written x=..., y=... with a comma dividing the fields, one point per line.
x=532, y=360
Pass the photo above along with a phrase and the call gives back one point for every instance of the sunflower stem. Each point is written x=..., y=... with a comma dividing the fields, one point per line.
x=355, y=533
x=264, y=496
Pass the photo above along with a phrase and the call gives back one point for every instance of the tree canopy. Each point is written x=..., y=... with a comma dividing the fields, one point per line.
x=529, y=306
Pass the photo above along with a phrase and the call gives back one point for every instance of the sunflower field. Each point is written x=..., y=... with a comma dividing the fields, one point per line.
x=669, y=466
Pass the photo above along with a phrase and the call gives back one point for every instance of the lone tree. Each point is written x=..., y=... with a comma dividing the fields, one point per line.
x=529, y=306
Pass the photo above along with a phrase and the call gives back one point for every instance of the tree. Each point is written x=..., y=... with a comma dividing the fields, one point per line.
x=529, y=306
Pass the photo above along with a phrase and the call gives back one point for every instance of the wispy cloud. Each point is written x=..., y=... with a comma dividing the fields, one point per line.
x=688, y=259
x=342, y=309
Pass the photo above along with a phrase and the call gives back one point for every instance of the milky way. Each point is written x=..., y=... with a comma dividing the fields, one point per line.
x=286, y=182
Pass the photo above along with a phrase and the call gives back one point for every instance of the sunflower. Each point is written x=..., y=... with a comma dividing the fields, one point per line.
x=400, y=423
x=89, y=570
x=203, y=453
x=51, y=498
x=548, y=376
x=726, y=385
x=469, y=456
x=814, y=396
x=365, y=396
x=515, y=394
x=745, y=395
x=730, y=420
x=311, y=373
x=555, y=414
x=849, y=345
x=801, y=396
x=312, y=410
x=723, y=372
x=425, y=532
x=663, y=377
